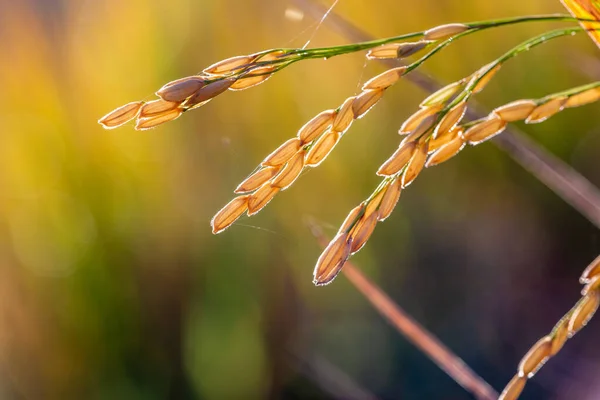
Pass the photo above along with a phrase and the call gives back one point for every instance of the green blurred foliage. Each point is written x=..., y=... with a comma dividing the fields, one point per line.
x=112, y=286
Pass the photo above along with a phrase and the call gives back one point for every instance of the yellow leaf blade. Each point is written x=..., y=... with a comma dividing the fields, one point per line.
x=589, y=9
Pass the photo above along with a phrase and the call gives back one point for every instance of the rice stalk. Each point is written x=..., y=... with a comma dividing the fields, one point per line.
x=246, y=71
x=565, y=329
x=410, y=158
x=554, y=173
x=314, y=141
x=317, y=138
x=322, y=133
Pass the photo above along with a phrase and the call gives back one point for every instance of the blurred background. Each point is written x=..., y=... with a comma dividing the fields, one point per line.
x=113, y=287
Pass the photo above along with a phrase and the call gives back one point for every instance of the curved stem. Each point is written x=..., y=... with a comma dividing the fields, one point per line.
x=290, y=56
x=479, y=25
x=515, y=51
x=523, y=47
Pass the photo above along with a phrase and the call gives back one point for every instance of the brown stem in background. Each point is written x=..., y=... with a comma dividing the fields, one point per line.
x=559, y=177
x=442, y=356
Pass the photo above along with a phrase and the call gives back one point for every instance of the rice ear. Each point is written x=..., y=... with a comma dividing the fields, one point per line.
x=331, y=260
x=121, y=115
x=229, y=214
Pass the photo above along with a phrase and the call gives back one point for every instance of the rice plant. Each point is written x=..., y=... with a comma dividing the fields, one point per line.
x=437, y=131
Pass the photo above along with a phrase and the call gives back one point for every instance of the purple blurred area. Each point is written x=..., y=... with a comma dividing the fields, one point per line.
x=113, y=287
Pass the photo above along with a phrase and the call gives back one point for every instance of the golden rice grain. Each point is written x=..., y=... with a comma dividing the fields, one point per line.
x=352, y=218
x=398, y=160
x=423, y=127
x=208, y=92
x=191, y=104
x=535, y=357
x=332, y=260
x=385, y=51
x=157, y=119
x=409, y=48
x=271, y=56
x=385, y=79
x=516, y=110
x=560, y=335
x=484, y=130
x=417, y=118
x=156, y=107
x=591, y=271
x=373, y=204
x=259, y=199
x=229, y=65
x=484, y=75
x=228, y=214
x=257, y=179
x=583, y=98
x=344, y=116
x=121, y=115
x=389, y=201
x=584, y=311
x=180, y=80
x=181, y=89
x=362, y=231
x=441, y=96
x=546, y=110
x=321, y=148
x=415, y=165
x=513, y=390
x=365, y=101
x=445, y=31
x=316, y=126
x=442, y=140
x=283, y=153
x=451, y=119
x=253, y=78
x=290, y=172
x=446, y=152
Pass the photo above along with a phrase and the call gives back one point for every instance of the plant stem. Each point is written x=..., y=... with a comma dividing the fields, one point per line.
x=473, y=26
x=515, y=51
x=290, y=56
x=554, y=173
x=468, y=91
x=567, y=93
x=523, y=47
x=573, y=91
x=541, y=100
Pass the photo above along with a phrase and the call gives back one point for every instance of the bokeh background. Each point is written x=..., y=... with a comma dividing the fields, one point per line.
x=113, y=287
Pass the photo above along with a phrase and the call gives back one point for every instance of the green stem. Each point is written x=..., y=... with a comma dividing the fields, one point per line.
x=521, y=48
x=568, y=92
x=291, y=56
x=571, y=92
x=479, y=25
x=515, y=51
